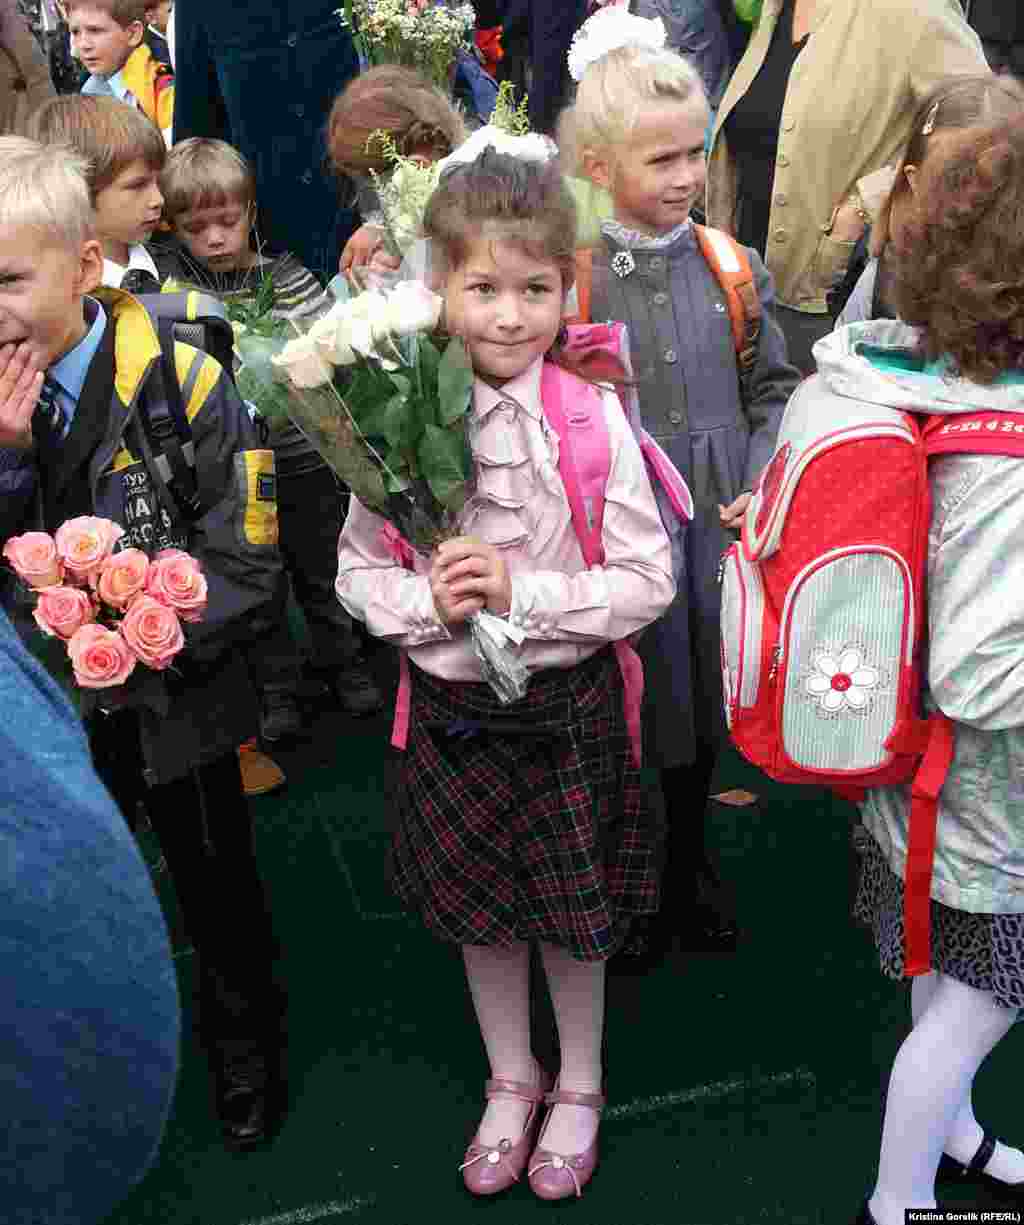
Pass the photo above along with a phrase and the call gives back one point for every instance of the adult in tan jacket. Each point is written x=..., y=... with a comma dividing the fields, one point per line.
x=815, y=114
x=24, y=74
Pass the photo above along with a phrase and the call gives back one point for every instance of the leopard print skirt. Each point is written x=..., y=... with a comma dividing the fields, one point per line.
x=985, y=951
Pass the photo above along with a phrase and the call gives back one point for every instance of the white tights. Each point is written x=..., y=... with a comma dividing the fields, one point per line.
x=499, y=982
x=929, y=1107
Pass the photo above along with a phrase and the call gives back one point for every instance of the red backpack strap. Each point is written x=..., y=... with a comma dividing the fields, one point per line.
x=987, y=432
x=730, y=264
x=584, y=453
x=924, y=814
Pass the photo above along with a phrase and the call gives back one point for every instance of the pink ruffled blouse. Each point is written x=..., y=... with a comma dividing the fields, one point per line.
x=520, y=507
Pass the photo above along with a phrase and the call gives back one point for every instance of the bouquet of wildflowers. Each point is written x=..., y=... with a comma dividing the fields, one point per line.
x=111, y=609
x=386, y=406
x=416, y=33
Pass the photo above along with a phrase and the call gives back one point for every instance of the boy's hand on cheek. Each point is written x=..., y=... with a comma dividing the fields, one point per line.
x=469, y=570
x=20, y=384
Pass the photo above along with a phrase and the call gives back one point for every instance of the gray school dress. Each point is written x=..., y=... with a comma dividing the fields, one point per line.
x=718, y=436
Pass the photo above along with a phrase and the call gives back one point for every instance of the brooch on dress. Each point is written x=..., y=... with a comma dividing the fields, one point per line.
x=623, y=263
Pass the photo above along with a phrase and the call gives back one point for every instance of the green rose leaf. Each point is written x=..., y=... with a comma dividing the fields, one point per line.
x=454, y=383
x=389, y=420
x=429, y=360
x=442, y=461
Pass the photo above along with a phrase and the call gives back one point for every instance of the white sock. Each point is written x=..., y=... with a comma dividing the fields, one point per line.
x=499, y=982
x=967, y=1133
x=930, y=1082
x=577, y=997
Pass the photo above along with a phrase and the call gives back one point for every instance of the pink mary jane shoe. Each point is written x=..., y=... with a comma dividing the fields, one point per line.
x=488, y=1169
x=558, y=1175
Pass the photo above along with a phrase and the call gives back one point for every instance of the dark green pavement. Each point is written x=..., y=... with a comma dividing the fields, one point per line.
x=743, y=1088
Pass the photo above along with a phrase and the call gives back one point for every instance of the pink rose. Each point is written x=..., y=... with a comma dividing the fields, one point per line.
x=60, y=611
x=122, y=576
x=34, y=558
x=153, y=632
x=101, y=657
x=176, y=579
x=84, y=543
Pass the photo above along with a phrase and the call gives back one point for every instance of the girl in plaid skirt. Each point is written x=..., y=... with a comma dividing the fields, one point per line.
x=522, y=822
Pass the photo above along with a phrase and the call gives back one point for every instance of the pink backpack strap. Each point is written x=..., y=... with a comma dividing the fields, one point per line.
x=403, y=704
x=584, y=453
x=664, y=472
x=584, y=464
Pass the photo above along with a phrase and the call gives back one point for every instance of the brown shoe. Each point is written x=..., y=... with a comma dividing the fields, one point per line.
x=260, y=774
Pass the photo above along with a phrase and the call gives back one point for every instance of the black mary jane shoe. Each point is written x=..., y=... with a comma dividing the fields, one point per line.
x=247, y=1091
x=973, y=1173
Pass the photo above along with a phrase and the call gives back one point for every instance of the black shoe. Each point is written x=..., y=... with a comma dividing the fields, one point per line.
x=709, y=925
x=247, y=1090
x=279, y=716
x=356, y=691
x=973, y=1173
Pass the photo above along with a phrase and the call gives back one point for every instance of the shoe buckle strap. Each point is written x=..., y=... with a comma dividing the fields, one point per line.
x=982, y=1157
x=534, y=1094
x=565, y=1097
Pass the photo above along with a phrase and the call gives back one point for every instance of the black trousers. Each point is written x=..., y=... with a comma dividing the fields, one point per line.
x=311, y=509
x=204, y=827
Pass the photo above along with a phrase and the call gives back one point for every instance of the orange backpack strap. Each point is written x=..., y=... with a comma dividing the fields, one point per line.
x=728, y=260
x=583, y=284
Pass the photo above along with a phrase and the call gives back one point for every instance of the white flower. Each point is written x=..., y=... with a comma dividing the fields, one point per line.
x=842, y=682
x=302, y=363
x=532, y=148
x=412, y=308
x=325, y=337
x=609, y=29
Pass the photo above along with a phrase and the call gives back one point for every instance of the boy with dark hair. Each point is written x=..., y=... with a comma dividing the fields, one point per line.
x=108, y=36
x=94, y=362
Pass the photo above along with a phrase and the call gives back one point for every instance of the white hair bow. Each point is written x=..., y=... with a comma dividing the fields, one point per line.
x=609, y=29
x=532, y=148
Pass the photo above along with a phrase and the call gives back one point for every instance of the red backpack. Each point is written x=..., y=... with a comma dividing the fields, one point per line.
x=823, y=612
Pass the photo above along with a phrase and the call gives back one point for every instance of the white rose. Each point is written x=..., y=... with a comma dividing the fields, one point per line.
x=412, y=308
x=302, y=363
x=328, y=340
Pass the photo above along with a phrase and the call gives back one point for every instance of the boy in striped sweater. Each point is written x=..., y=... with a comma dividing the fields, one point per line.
x=209, y=201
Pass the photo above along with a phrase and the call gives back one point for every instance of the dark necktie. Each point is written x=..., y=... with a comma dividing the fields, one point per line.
x=50, y=414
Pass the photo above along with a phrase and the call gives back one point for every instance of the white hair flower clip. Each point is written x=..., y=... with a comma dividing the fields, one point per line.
x=532, y=148
x=609, y=29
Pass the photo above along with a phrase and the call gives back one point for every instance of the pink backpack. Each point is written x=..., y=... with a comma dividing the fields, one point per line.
x=823, y=613
x=575, y=411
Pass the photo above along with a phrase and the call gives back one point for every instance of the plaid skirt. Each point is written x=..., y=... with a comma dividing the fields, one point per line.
x=526, y=821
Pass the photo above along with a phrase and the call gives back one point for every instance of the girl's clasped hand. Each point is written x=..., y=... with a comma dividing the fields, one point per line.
x=468, y=575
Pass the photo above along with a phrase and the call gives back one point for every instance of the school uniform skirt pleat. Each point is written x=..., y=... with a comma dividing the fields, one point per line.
x=526, y=821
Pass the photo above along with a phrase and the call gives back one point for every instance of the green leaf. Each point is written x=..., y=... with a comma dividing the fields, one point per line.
x=391, y=420
x=401, y=382
x=442, y=461
x=429, y=361
x=454, y=383
x=398, y=476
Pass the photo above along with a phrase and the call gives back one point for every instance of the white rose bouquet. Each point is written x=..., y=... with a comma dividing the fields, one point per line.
x=386, y=406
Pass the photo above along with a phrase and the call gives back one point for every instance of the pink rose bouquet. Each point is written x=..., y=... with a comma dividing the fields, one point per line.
x=112, y=608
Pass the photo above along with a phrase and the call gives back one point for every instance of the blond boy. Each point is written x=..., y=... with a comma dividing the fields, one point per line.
x=78, y=365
